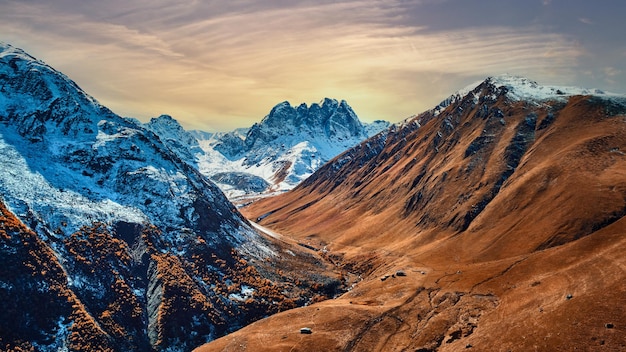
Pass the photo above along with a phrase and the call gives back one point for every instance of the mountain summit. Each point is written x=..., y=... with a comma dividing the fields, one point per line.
x=518, y=88
x=327, y=129
x=330, y=120
x=283, y=149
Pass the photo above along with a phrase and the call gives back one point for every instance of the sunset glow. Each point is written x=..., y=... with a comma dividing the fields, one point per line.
x=223, y=64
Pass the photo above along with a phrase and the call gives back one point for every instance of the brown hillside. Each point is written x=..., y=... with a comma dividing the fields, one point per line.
x=507, y=218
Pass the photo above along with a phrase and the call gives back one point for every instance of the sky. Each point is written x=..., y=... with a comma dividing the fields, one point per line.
x=220, y=65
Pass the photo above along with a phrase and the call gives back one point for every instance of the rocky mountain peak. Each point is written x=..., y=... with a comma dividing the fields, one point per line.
x=41, y=101
x=165, y=126
x=330, y=118
x=518, y=88
x=175, y=137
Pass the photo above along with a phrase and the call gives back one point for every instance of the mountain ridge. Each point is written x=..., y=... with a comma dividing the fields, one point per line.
x=280, y=151
x=503, y=214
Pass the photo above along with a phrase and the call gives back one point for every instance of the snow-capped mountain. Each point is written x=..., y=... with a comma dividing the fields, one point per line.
x=518, y=88
x=276, y=154
x=71, y=161
x=145, y=248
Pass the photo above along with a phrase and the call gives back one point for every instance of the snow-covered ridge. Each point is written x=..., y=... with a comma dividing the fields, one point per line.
x=284, y=148
x=522, y=89
x=69, y=162
x=18, y=59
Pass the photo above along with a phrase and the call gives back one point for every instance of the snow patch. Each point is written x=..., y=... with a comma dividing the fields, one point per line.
x=245, y=293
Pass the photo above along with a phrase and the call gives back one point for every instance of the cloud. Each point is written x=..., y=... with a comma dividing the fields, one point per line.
x=585, y=20
x=612, y=71
x=211, y=65
x=62, y=28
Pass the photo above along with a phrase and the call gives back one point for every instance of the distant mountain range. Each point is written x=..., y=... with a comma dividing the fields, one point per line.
x=275, y=155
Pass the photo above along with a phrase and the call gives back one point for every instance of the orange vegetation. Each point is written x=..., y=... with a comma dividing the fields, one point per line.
x=36, y=296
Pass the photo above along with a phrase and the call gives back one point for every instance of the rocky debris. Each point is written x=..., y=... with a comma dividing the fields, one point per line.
x=398, y=273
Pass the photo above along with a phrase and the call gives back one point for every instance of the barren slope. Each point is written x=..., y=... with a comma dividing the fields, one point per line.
x=506, y=215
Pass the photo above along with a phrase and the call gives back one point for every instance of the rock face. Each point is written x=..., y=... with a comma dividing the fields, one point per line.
x=505, y=206
x=173, y=135
x=286, y=147
x=328, y=121
x=110, y=227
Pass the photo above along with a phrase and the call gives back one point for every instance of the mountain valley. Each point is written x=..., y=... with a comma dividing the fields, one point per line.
x=496, y=222
x=493, y=222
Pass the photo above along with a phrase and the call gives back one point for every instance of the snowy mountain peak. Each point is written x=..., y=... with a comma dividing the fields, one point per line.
x=518, y=88
x=42, y=102
x=327, y=112
x=285, y=147
x=176, y=138
x=521, y=88
x=53, y=84
x=329, y=117
x=165, y=126
x=9, y=50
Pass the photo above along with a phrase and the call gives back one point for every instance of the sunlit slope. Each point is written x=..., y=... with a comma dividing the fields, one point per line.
x=504, y=209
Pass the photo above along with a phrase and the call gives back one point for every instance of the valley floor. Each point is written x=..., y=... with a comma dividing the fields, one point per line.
x=419, y=302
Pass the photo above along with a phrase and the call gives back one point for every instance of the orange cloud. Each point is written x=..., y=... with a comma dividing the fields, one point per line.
x=226, y=71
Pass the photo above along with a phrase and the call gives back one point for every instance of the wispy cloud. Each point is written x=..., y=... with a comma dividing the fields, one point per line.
x=611, y=74
x=209, y=65
x=585, y=20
